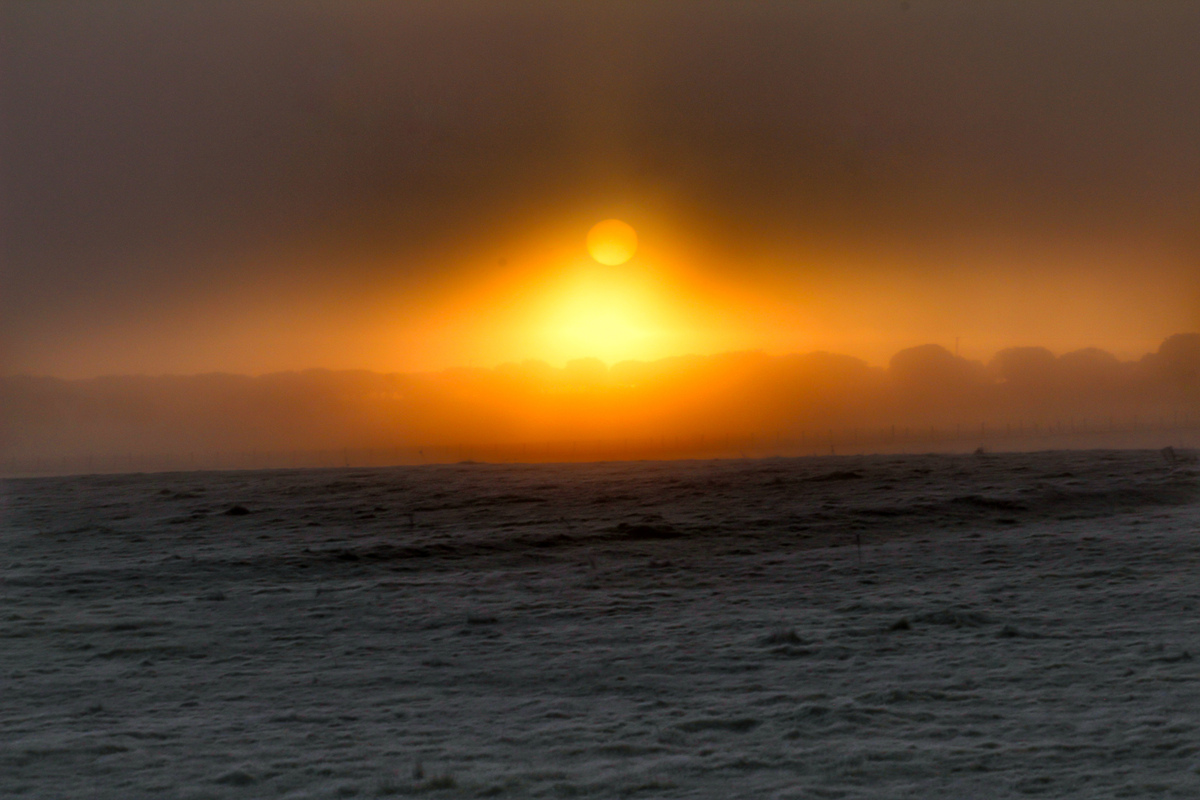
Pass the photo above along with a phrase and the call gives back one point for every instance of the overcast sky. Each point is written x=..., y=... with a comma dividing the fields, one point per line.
x=182, y=182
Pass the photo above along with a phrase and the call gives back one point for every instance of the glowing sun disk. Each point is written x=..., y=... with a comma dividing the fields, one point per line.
x=612, y=242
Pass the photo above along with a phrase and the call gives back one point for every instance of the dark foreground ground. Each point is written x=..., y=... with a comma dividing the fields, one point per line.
x=895, y=626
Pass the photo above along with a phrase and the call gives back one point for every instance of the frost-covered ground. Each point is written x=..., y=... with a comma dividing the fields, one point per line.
x=1019, y=624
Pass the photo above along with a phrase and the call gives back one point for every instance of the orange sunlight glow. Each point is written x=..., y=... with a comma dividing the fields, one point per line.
x=612, y=315
x=550, y=299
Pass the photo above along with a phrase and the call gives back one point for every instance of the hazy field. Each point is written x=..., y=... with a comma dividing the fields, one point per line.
x=1012, y=625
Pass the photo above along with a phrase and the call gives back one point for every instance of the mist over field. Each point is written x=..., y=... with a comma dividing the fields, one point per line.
x=680, y=399
x=688, y=399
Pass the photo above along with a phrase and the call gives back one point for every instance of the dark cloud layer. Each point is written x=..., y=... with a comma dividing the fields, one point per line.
x=148, y=147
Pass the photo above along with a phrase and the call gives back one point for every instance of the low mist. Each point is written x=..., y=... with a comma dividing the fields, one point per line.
x=927, y=398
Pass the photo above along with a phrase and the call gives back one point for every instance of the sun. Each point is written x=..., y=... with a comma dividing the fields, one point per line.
x=612, y=242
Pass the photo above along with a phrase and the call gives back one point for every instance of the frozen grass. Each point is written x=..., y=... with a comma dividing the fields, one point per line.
x=1020, y=624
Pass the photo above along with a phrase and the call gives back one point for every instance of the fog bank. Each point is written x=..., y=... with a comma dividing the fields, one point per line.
x=674, y=404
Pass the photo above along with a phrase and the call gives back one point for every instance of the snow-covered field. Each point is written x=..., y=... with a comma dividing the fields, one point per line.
x=1012, y=625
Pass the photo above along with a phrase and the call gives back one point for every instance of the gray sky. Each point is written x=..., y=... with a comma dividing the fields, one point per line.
x=199, y=186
